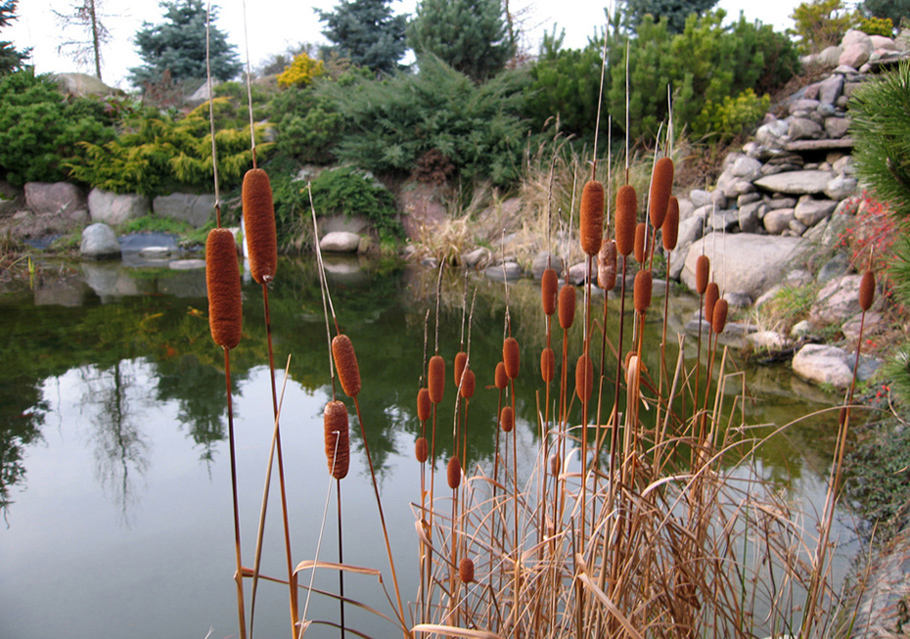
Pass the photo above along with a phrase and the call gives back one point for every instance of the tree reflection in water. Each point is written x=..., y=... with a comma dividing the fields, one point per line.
x=22, y=411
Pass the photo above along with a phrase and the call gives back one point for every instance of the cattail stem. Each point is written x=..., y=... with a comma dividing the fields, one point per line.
x=239, y=576
x=340, y=558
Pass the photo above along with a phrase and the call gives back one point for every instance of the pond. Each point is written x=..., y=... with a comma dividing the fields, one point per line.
x=113, y=440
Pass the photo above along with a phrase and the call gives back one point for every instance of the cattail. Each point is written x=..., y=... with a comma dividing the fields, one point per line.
x=424, y=405
x=702, y=270
x=549, y=285
x=466, y=570
x=453, y=473
x=670, y=228
x=719, y=316
x=436, y=378
x=510, y=356
x=346, y=363
x=222, y=281
x=606, y=265
x=842, y=416
x=626, y=208
x=633, y=368
x=584, y=378
x=500, y=379
x=337, y=441
x=547, y=364
x=661, y=185
x=259, y=225
x=591, y=217
x=554, y=464
x=421, y=449
x=468, y=384
x=712, y=294
x=461, y=359
x=566, y=306
x=866, y=291
x=643, y=285
x=641, y=234
x=507, y=419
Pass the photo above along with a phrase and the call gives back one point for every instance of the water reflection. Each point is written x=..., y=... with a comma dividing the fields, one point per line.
x=22, y=412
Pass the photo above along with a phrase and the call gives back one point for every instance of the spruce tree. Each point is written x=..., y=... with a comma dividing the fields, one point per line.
x=471, y=36
x=366, y=32
x=897, y=10
x=11, y=58
x=675, y=11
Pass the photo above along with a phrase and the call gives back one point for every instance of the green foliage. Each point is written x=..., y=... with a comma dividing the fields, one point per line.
x=178, y=46
x=895, y=10
x=301, y=72
x=389, y=125
x=11, y=59
x=366, y=32
x=157, y=155
x=877, y=26
x=822, y=23
x=236, y=93
x=41, y=129
x=675, y=12
x=733, y=115
x=471, y=36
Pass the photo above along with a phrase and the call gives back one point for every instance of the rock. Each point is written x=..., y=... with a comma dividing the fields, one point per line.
x=699, y=198
x=83, y=85
x=804, y=129
x=746, y=168
x=801, y=330
x=855, y=36
x=836, y=127
x=723, y=220
x=115, y=209
x=778, y=220
x=810, y=211
x=803, y=105
x=830, y=56
x=340, y=242
x=194, y=209
x=855, y=56
x=826, y=110
x=851, y=327
x=778, y=202
x=797, y=228
x=882, y=42
x=577, y=274
x=508, y=272
x=358, y=224
x=186, y=265
x=843, y=166
x=58, y=198
x=830, y=89
x=749, y=217
x=748, y=198
x=835, y=228
x=686, y=208
x=756, y=262
x=155, y=253
x=837, y=266
x=796, y=182
x=476, y=257
x=841, y=187
x=837, y=301
x=539, y=265
x=768, y=341
x=772, y=133
x=99, y=243
x=823, y=365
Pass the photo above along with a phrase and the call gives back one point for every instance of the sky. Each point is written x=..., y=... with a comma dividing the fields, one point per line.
x=273, y=26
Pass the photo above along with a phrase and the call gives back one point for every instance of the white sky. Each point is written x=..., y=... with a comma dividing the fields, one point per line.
x=275, y=25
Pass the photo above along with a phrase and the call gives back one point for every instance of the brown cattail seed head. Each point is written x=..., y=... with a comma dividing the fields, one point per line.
x=606, y=265
x=712, y=294
x=500, y=379
x=549, y=286
x=641, y=234
x=842, y=416
x=554, y=464
x=547, y=364
x=626, y=208
x=468, y=384
x=670, y=228
x=866, y=291
x=510, y=356
x=584, y=378
x=719, y=317
x=661, y=185
x=566, y=305
x=424, y=405
x=643, y=285
x=453, y=473
x=337, y=441
x=346, y=363
x=507, y=419
x=222, y=280
x=592, y=217
x=436, y=378
x=259, y=225
x=466, y=570
x=461, y=359
x=421, y=449
x=702, y=270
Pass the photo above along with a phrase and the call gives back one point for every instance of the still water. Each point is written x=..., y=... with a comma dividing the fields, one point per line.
x=114, y=465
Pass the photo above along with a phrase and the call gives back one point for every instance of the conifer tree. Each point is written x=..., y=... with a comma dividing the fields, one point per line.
x=11, y=58
x=366, y=32
x=675, y=11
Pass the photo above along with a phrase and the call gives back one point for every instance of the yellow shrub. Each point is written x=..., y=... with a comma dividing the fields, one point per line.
x=301, y=72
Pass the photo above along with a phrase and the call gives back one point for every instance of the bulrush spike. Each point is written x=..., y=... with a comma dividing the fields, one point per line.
x=500, y=379
x=337, y=438
x=702, y=271
x=633, y=366
x=643, y=286
x=591, y=218
x=421, y=449
x=554, y=464
x=626, y=212
x=584, y=377
x=867, y=290
x=712, y=294
x=346, y=363
x=606, y=265
x=641, y=233
x=549, y=287
x=511, y=356
x=719, y=316
x=661, y=185
x=424, y=405
x=222, y=281
x=670, y=228
x=453, y=472
x=566, y=306
x=547, y=364
x=468, y=384
x=436, y=378
x=466, y=570
x=461, y=359
x=507, y=419
x=259, y=225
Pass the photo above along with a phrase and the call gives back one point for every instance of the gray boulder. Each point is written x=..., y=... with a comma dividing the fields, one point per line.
x=58, y=198
x=804, y=129
x=474, y=258
x=796, y=182
x=340, y=242
x=113, y=208
x=838, y=301
x=841, y=187
x=830, y=89
x=508, y=271
x=746, y=168
x=823, y=365
x=810, y=211
x=194, y=209
x=836, y=127
x=83, y=85
x=539, y=265
x=778, y=220
x=99, y=243
x=830, y=56
x=772, y=134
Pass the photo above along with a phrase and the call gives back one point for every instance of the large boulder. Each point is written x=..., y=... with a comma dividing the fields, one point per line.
x=823, y=365
x=838, y=300
x=99, y=243
x=340, y=242
x=194, y=209
x=796, y=182
x=811, y=211
x=114, y=208
x=83, y=85
x=57, y=198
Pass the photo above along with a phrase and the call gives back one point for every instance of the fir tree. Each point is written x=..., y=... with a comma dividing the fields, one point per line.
x=366, y=32
x=11, y=58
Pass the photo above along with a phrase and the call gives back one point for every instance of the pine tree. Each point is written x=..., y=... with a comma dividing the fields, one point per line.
x=675, y=11
x=11, y=58
x=366, y=32
x=471, y=36
x=897, y=10
x=177, y=46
